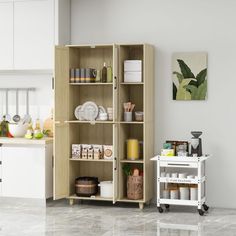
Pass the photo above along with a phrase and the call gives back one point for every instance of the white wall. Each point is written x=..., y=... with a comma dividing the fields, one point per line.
x=40, y=101
x=176, y=26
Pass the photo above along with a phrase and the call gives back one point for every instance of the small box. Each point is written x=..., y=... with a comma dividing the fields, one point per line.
x=108, y=152
x=98, y=152
x=133, y=65
x=133, y=77
x=76, y=151
x=90, y=153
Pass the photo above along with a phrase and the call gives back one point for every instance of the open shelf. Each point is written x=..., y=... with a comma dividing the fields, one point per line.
x=134, y=83
x=125, y=199
x=131, y=161
x=90, y=84
x=91, y=160
x=94, y=197
x=132, y=122
x=92, y=122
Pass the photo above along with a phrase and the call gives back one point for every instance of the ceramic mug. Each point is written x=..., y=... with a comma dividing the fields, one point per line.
x=128, y=116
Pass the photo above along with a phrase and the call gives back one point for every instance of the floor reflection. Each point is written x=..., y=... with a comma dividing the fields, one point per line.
x=167, y=229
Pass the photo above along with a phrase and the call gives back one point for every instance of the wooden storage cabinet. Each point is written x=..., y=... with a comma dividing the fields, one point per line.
x=70, y=131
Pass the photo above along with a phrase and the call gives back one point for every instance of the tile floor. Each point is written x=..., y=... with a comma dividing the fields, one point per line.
x=90, y=219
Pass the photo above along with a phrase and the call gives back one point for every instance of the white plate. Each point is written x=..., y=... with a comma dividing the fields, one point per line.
x=79, y=114
x=90, y=110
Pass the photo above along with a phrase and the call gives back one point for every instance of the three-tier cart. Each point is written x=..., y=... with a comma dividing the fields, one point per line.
x=175, y=163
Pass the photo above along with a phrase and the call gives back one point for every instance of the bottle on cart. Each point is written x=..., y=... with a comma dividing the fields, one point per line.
x=104, y=73
x=4, y=127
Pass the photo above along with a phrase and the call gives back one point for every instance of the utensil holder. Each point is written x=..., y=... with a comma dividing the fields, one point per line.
x=128, y=116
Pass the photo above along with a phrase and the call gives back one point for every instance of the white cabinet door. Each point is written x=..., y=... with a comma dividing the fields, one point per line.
x=6, y=35
x=33, y=34
x=23, y=172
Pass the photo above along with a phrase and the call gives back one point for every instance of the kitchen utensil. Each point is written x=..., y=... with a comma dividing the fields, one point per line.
x=16, y=117
x=106, y=189
x=132, y=107
x=17, y=129
x=127, y=116
x=79, y=114
x=90, y=110
x=27, y=117
x=86, y=186
x=132, y=149
x=196, y=143
x=7, y=116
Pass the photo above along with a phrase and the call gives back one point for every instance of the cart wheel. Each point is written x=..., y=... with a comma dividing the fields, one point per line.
x=167, y=206
x=201, y=212
x=205, y=207
x=160, y=209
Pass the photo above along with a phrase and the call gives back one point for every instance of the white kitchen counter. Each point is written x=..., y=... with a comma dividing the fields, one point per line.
x=24, y=141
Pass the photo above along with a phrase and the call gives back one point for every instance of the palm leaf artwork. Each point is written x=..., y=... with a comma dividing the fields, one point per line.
x=189, y=87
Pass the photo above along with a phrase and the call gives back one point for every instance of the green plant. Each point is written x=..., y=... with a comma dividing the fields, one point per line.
x=127, y=169
x=190, y=87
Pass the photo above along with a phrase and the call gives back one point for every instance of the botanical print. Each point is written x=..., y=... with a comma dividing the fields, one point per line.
x=189, y=75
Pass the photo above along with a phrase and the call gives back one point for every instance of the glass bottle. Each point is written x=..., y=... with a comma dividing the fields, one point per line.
x=104, y=73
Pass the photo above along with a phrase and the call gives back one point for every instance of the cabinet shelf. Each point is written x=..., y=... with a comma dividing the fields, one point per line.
x=91, y=160
x=90, y=84
x=125, y=199
x=136, y=83
x=131, y=161
x=94, y=197
x=89, y=122
x=132, y=122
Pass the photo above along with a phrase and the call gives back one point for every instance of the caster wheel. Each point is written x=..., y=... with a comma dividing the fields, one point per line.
x=205, y=207
x=201, y=212
x=167, y=206
x=160, y=209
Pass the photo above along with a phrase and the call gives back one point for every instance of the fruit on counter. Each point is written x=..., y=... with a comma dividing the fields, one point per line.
x=48, y=126
x=38, y=135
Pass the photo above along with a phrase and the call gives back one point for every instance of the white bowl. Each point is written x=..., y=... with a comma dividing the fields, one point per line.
x=18, y=129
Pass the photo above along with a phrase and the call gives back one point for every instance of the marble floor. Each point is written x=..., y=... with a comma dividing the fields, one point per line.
x=93, y=218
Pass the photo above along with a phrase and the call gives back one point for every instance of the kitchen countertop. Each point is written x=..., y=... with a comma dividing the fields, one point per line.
x=24, y=141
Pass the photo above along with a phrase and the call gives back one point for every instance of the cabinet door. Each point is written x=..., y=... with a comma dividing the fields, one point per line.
x=6, y=35
x=33, y=34
x=23, y=171
x=61, y=111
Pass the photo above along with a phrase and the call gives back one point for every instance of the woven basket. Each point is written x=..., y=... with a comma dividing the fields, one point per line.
x=135, y=187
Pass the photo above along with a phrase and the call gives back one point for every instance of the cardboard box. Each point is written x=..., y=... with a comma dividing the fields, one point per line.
x=108, y=152
x=133, y=77
x=76, y=151
x=133, y=65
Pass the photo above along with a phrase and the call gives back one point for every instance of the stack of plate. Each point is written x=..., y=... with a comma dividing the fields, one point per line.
x=88, y=111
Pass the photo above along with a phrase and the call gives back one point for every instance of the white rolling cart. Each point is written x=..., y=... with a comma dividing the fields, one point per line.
x=168, y=162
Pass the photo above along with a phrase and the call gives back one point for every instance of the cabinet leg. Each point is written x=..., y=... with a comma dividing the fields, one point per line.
x=141, y=206
x=71, y=202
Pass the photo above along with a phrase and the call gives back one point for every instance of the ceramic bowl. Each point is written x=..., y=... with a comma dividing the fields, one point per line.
x=18, y=129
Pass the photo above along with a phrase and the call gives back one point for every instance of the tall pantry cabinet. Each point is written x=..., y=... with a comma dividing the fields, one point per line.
x=69, y=130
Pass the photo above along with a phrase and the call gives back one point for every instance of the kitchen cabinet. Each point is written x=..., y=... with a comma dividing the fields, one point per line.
x=27, y=170
x=33, y=34
x=68, y=130
x=6, y=32
x=0, y=170
x=29, y=30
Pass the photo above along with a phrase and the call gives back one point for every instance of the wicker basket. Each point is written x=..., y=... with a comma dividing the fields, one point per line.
x=135, y=187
